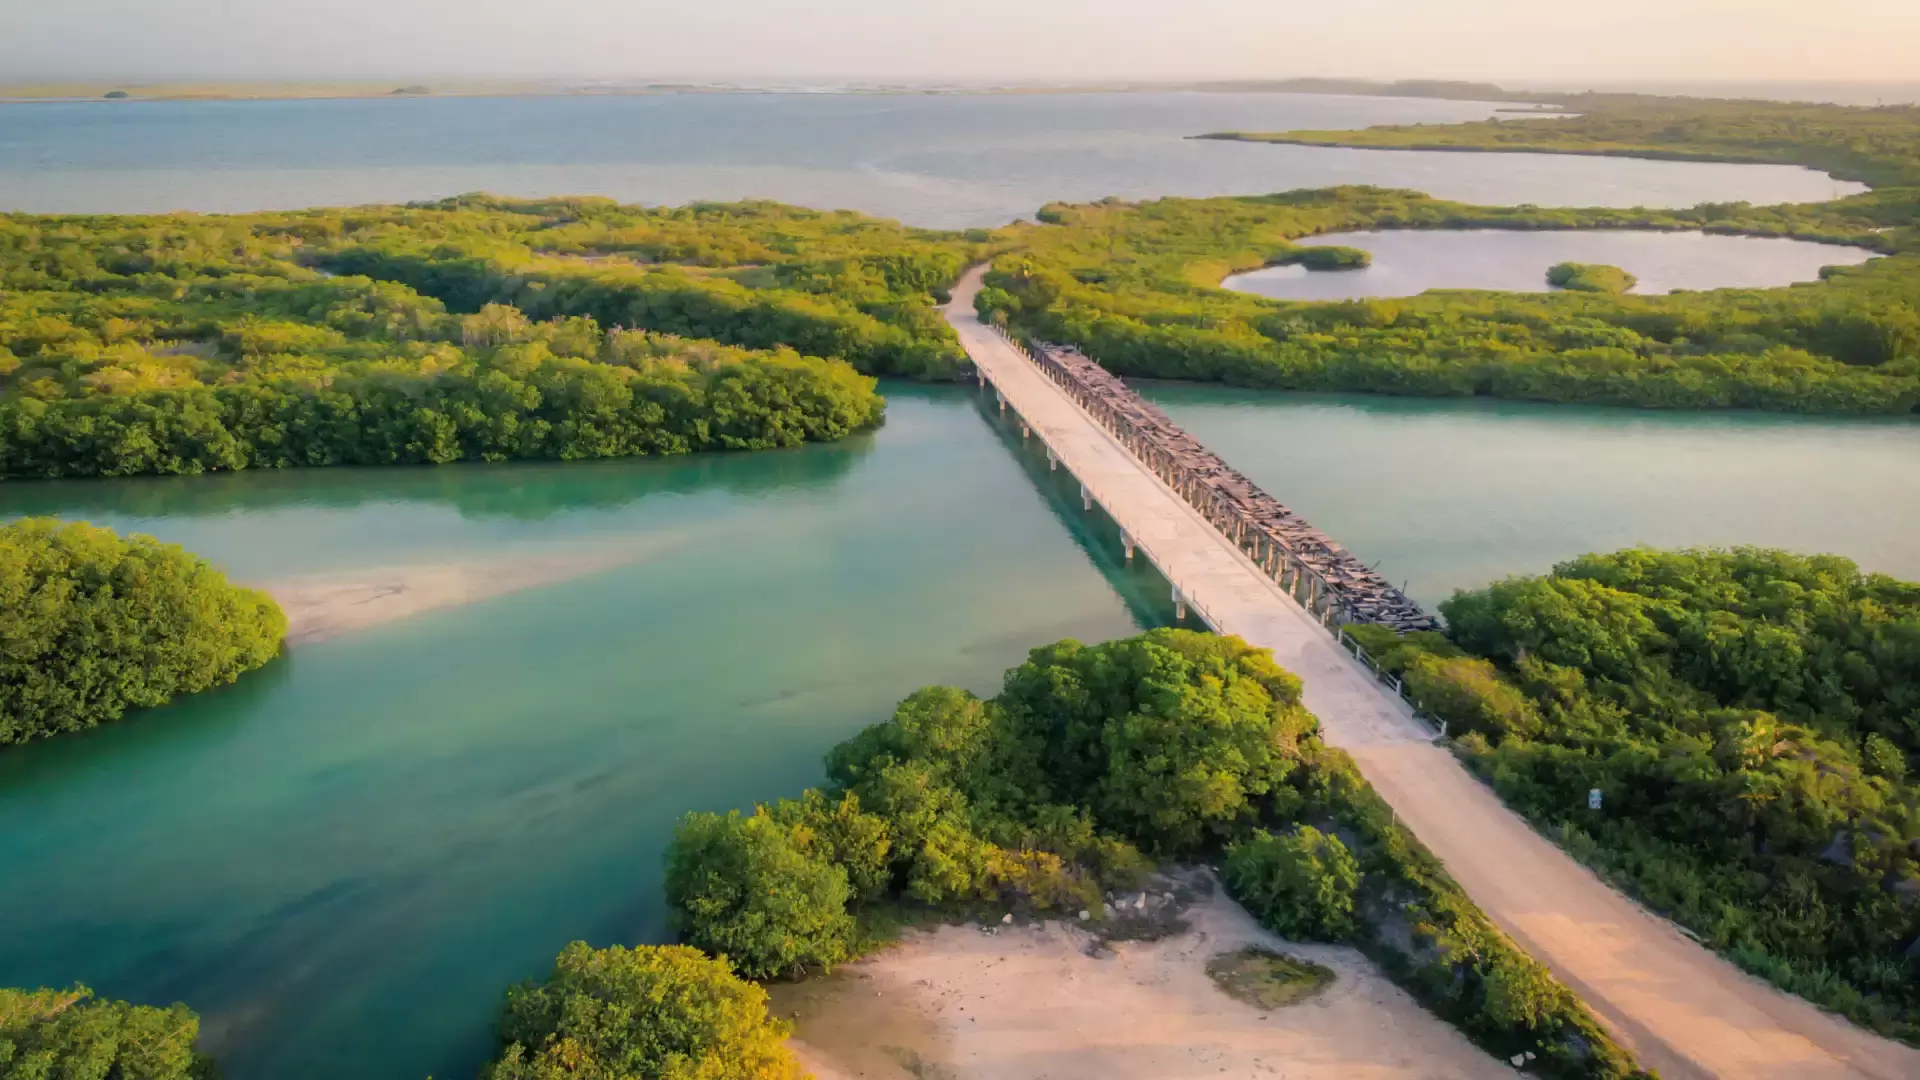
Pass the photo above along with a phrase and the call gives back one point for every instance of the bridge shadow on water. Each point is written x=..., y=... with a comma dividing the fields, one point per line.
x=1146, y=592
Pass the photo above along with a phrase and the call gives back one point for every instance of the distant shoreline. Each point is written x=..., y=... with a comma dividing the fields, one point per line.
x=82, y=90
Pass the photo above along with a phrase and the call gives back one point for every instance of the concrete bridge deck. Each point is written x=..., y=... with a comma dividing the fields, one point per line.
x=1676, y=1005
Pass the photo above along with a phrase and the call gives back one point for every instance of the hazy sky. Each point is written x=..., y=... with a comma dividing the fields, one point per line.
x=1511, y=40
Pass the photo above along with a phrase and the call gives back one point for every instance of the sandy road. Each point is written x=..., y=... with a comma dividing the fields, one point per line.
x=1679, y=1007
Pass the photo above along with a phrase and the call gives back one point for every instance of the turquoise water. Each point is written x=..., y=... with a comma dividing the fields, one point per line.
x=343, y=861
x=1409, y=262
x=1447, y=495
x=949, y=161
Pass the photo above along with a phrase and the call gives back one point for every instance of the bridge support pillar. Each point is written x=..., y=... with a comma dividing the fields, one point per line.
x=1025, y=431
x=1052, y=461
x=1179, y=605
x=1001, y=398
x=1086, y=498
x=1126, y=543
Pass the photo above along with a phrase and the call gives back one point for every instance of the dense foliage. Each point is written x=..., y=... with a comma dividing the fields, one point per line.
x=71, y=1035
x=1136, y=285
x=647, y=1013
x=1045, y=796
x=92, y=625
x=1751, y=719
x=1301, y=883
x=1329, y=257
x=1880, y=145
x=471, y=329
x=744, y=888
x=1590, y=277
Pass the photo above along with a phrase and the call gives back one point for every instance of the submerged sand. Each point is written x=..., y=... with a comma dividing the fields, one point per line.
x=1048, y=1000
x=319, y=608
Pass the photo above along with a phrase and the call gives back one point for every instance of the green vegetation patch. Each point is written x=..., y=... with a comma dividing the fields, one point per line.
x=1090, y=761
x=1330, y=257
x=648, y=1011
x=1266, y=979
x=72, y=1034
x=1879, y=145
x=1591, y=277
x=1751, y=721
x=1136, y=286
x=92, y=625
x=473, y=329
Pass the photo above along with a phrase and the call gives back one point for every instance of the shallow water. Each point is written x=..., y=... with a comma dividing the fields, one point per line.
x=1408, y=262
x=343, y=861
x=1446, y=495
x=948, y=161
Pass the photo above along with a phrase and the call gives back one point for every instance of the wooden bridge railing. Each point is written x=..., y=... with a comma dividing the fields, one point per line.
x=1326, y=579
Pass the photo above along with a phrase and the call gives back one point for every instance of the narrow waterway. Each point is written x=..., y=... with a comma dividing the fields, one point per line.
x=343, y=861
x=1451, y=494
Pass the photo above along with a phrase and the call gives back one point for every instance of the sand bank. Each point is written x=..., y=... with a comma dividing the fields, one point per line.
x=322, y=607
x=1045, y=1000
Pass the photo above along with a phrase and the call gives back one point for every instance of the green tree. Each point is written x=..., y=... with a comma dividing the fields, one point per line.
x=739, y=887
x=647, y=1013
x=1303, y=883
x=92, y=625
x=1172, y=738
x=71, y=1035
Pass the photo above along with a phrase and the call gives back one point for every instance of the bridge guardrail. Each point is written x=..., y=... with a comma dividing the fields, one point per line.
x=1282, y=565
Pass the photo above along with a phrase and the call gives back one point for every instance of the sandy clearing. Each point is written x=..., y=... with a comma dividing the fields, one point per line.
x=319, y=608
x=1029, y=1003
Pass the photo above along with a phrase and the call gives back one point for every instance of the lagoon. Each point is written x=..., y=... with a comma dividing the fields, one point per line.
x=1407, y=262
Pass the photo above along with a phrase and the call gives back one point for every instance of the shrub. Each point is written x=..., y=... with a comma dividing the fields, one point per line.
x=1172, y=738
x=739, y=887
x=92, y=625
x=1301, y=884
x=838, y=832
x=1591, y=277
x=637, y=1014
x=69, y=1035
x=1332, y=257
x=1469, y=694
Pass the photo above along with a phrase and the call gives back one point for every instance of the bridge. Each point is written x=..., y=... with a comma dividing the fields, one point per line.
x=1676, y=1005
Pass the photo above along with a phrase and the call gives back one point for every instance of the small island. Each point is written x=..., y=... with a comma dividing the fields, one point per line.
x=1331, y=257
x=1591, y=277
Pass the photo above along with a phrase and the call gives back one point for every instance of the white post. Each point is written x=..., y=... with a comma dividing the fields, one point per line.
x=1086, y=498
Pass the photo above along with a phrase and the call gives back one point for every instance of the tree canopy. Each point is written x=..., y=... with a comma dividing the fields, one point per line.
x=72, y=1035
x=468, y=329
x=646, y=1013
x=92, y=625
x=1751, y=719
x=1045, y=796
